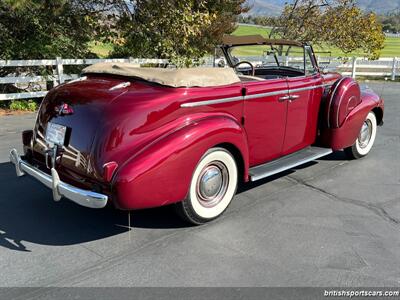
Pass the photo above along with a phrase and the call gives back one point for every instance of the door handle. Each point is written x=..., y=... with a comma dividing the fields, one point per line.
x=284, y=98
x=294, y=97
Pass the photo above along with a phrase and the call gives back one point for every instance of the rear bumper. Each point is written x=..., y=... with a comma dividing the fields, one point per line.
x=60, y=189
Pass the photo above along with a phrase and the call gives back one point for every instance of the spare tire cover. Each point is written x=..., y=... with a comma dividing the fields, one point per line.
x=343, y=97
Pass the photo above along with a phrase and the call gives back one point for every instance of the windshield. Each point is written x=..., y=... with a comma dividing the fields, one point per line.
x=266, y=56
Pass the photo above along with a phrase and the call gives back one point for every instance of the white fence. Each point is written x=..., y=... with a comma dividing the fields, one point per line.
x=349, y=66
x=396, y=35
x=384, y=67
x=58, y=76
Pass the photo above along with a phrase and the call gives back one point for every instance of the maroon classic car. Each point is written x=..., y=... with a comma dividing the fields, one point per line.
x=147, y=137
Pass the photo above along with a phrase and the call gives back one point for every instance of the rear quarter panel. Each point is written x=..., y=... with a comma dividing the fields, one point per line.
x=162, y=172
x=157, y=142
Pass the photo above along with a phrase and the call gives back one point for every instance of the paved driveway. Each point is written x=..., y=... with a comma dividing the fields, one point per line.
x=332, y=223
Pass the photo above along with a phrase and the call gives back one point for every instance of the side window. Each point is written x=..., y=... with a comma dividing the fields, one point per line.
x=293, y=57
x=308, y=63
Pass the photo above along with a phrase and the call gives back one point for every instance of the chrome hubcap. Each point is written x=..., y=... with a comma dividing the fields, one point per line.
x=212, y=184
x=365, y=134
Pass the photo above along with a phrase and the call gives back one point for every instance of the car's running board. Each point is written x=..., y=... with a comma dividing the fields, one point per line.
x=288, y=162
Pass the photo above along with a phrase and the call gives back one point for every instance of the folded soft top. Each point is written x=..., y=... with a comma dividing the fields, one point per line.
x=185, y=77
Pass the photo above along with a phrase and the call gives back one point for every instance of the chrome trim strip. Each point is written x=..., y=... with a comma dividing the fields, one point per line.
x=307, y=88
x=214, y=101
x=276, y=93
x=255, y=96
x=292, y=165
x=248, y=97
x=77, y=80
x=82, y=197
x=120, y=86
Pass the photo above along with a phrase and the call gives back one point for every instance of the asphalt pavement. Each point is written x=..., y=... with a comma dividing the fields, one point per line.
x=333, y=222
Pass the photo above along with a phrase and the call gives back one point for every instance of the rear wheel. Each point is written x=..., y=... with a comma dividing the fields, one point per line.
x=212, y=187
x=365, y=140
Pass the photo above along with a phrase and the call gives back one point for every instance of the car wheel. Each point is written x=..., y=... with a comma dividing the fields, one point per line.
x=365, y=139
x=212, y=187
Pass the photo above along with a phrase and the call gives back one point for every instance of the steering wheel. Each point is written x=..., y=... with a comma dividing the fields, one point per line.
x=253, y=70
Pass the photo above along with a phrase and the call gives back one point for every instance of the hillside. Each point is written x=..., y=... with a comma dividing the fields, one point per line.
x=274, y=7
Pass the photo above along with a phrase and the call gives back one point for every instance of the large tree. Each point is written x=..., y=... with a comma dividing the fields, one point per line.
x=180, y=30
x=35, y=29
x=338, y=23
x=43, y=29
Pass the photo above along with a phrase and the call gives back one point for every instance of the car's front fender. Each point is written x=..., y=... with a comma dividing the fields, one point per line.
x=161, y=173
x=346, y=135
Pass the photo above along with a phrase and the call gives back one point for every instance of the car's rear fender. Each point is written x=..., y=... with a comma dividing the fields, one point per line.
x=160, y=174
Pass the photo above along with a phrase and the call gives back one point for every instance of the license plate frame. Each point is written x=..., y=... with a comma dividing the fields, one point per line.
x=55, y=133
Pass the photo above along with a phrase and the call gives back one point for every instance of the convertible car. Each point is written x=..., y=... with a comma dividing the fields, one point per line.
x=146, y=137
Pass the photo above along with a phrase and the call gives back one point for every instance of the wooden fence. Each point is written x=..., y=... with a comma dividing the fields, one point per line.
x=384, y=67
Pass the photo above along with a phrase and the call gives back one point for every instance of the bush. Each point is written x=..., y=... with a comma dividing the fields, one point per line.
x=28, y=105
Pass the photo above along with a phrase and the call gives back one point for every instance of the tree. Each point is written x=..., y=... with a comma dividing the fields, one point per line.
x=42, y=29
x=338, y=23
x=35, y=29
x=391, y=22
x=180, y=30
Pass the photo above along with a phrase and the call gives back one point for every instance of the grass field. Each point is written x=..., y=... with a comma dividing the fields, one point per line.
x=392, y=45
x=101, y=49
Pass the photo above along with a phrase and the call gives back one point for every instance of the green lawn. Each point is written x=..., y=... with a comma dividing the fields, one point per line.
x=392, y=45
x=101, y=49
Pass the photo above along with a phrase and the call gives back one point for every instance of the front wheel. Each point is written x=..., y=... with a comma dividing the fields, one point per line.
x=365, y=140
x=212, y=187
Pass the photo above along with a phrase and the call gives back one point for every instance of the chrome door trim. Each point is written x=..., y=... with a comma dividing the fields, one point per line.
x=262, y=95
x=214, y=101
x=249, y=97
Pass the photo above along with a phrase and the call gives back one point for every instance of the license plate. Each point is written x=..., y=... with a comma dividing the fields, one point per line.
x=55, y=133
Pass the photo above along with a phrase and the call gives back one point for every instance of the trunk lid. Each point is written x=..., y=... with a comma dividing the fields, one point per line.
x=86, y=100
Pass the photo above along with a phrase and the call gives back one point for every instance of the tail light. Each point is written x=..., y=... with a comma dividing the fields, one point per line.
x=108, y=170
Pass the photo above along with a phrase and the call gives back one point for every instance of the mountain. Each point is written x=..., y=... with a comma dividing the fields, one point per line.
x=274, y=7
x=266, y=7
x=379, y=6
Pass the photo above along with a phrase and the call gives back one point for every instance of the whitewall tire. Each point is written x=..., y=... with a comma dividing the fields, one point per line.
x=212, y=187
x=365, y=139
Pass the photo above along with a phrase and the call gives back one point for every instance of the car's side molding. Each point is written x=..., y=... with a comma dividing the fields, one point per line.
x=249, y=97
x=213, y=101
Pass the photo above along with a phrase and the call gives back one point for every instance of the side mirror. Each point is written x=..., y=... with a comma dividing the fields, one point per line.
x=221, y=63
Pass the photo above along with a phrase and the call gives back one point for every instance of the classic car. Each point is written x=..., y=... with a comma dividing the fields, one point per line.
x=147, y=137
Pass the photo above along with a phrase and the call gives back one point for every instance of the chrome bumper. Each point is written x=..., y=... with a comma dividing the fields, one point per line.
x=59, y=188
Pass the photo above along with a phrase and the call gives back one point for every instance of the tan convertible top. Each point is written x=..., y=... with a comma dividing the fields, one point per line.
x=233, y=40
x=185, y=77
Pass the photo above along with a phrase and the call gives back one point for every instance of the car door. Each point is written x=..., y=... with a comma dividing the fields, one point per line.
x=265, y=109
x=303, y=106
